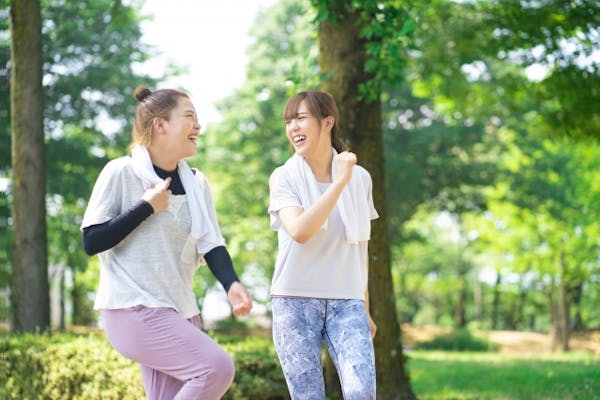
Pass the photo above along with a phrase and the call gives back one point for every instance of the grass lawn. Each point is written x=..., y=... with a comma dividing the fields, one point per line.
x=495, y=376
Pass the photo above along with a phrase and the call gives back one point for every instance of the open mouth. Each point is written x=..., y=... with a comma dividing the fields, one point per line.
x=299, y=139
x=193, y=138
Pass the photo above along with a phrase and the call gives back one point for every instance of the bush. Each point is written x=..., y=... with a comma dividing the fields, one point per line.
x=66, y=366
x=86, y=367
x=258, y=373
x=459, y=340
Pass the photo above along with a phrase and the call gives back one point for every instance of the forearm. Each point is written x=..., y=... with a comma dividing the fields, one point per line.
x=220, y=264
x=367, y=287
x=101, y=237
x=308, y=222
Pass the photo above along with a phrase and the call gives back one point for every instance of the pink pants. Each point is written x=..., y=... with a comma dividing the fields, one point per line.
x=178, y=360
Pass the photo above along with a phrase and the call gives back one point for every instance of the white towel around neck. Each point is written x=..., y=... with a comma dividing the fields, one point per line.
x=203, y=228
x=353, y=203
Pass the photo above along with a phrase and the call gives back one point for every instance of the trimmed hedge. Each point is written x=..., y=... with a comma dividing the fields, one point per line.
x=459, y=340
x=86, y=367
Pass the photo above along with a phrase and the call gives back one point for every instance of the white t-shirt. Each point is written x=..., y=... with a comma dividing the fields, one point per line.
x=154, y=265
x=327, y=266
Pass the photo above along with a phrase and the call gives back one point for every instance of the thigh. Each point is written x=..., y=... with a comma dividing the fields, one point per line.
x=158, y=385
x=298, y=337
x=160, y=339
x=349, y=342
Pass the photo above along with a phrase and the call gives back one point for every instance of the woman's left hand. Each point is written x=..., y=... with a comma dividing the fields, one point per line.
x=239, y=299
x=372, y=326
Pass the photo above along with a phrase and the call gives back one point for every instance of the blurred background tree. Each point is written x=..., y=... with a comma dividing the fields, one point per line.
x=92, y=52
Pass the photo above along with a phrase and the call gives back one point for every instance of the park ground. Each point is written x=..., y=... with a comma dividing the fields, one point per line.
x=510, y=341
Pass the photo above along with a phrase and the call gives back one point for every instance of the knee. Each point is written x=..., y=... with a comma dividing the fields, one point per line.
x=224, y=370
x=228, y=369
x=360, y=394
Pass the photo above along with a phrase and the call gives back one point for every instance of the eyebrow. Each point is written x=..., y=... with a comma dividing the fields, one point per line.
x=297, y=115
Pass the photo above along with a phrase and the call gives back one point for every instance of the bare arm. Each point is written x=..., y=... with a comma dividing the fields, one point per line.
x=372, y=325
x=303, y=224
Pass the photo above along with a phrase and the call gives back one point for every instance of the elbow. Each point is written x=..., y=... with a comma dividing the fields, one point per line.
x=88, y=246
x=89, y=250
x=298, y=231
x=300, y=237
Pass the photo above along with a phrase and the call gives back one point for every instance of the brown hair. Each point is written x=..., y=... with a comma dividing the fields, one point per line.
x=320, y=105
x=157, y=104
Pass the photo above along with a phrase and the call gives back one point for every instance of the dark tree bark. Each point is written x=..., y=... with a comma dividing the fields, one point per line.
x=342, y=53
x=30, y=288
x=496, y=301
x=563, y=306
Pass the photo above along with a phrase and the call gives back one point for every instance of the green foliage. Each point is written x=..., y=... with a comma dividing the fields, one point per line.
x=67, y=366
x=258, y=374
x=386, y=29
x=458, y=340
x=92, y=51
x=453, y=141
x=481, y=53
x=493, y=376
x=241, y=151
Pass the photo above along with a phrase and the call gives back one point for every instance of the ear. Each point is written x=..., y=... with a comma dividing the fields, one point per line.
x=158, y=124
x=330, y=122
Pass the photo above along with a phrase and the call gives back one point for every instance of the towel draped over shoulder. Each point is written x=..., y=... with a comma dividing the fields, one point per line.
x=353, y=204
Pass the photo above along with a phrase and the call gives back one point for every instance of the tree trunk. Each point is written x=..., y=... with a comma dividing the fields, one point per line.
x=478, y=300
x=342, y=53
x=333, y=390
x=496, y=301
x=519, y=313
x=63, y=311
x=563, y=311
x=576, y=296
x=30, y=289
x=460, y=319
x=554, y=317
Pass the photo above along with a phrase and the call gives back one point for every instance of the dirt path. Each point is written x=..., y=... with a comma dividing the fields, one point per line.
x=510, y=341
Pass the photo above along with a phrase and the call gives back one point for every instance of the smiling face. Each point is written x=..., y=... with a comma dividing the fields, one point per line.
x=177, y=135
x=307, y=134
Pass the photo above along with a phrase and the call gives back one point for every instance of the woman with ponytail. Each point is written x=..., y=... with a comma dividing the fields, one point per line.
x=321, y=206
x=152, y=222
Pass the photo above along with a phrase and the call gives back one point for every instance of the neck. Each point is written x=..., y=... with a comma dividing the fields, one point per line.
x=162, y=160
x=321, y=165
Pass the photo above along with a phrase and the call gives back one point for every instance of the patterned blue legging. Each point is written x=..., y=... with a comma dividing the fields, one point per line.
x=300, y=325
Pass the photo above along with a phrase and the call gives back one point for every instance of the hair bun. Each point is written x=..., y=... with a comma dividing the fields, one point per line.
x=141, y=93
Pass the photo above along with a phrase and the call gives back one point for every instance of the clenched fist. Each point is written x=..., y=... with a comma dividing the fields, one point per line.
x=344, y=162
x=158, y=196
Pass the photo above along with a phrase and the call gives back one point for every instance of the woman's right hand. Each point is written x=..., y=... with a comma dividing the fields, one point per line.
x=344, y=162
x=158, y=196
x=239, y=299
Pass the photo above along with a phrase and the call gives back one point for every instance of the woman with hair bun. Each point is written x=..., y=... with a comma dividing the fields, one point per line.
x=152, y=222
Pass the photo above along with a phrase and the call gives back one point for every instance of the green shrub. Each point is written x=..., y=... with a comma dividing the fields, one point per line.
x=65, y=366
x=258, y=373
x=459, y=340
x=86, y=367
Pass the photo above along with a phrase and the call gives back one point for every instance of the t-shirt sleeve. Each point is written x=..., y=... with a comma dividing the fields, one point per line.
x=369, y=187
x=104, y=203
x=207, y=246
x=281, y=195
